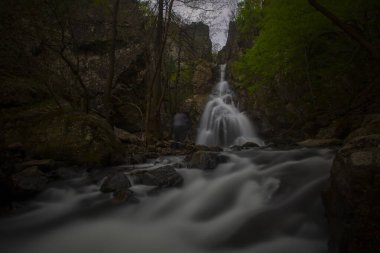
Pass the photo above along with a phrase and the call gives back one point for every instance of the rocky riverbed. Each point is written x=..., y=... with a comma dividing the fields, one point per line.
x=256, y=199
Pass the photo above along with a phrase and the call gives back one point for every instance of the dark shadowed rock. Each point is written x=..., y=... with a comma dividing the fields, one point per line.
x=116, y=182
x=29, y=182
x=314, y=143
x=206, y=160
x=136, y=159
x=5, y=194
x=80, y=138
x=207, y=148
x=44, y=165
x=250, y=145
x=352, y=198
x=67, y=172
x=162, y=177
x=235, y=148
x=370, y=125
x=124, y=196
x=126, y=137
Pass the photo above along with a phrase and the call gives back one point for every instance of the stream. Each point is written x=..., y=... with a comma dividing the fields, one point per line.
x=261, y=200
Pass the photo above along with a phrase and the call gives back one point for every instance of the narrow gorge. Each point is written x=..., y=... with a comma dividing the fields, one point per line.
x=189, y=126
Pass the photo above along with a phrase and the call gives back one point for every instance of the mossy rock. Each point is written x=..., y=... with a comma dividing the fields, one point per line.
x=78, y=137
x=20, y=91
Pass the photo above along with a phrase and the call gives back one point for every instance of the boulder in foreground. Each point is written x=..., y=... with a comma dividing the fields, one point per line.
x=206, y=160
x=352, y=198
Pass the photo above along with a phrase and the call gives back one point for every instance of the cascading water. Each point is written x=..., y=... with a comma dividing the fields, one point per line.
x=260, y=201
x=222, y=124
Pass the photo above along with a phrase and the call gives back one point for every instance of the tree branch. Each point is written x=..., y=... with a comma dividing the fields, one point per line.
x=352, y=33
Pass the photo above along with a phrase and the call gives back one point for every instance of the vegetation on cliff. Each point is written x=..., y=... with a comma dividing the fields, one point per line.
x=304, y=65
x=101, y=60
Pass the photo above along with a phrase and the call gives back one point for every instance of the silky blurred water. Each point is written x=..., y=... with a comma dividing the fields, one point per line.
x=222, y=123
x=261, y=201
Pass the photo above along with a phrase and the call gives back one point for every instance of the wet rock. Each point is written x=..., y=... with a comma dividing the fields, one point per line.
x=162, y=177
x=340, y=128
x=370, y=125
x=116, y=182
x=124, y=196
x=314, y=143
x=68, y=172
x=136, y=159
x=235, y=148
x=126, y=137
x=29, y=182
x=281, y=143
x=44, y=165
x=246, y=145
x=250, y=145
x=352, y=198
x=207, y=148
x=151, y=155
x=206, y=160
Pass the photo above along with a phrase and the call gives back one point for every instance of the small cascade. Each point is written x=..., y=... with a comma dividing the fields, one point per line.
x=222, y=124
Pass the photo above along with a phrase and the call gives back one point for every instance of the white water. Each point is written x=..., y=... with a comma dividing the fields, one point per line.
x=260, y=201
x=222, y=124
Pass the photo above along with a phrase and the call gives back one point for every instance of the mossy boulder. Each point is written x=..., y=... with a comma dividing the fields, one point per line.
x=20, y=91
x=72, y=136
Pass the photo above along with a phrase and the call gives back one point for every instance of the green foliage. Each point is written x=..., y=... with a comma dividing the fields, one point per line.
x=103, y=3
x=250, y=15
x=298, y=43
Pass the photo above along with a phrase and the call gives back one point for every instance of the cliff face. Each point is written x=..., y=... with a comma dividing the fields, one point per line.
x=190, y=49
x=93, y=34
x=199, y=42
x=231, y=50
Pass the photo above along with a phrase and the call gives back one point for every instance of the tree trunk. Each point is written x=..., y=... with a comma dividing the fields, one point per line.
x=152, y=115
x=111, y=66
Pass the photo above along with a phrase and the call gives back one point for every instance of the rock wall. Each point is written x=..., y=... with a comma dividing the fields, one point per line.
x=190, y=46
x=352, y=198
x=199, y=45
x=231, y=50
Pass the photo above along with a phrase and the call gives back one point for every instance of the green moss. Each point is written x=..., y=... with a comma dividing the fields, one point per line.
x=70, y=136
x=19, y=91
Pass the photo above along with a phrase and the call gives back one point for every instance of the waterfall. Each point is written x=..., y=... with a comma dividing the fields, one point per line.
x=222, y=124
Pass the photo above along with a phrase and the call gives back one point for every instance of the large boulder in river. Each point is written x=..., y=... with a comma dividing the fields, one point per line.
x=116, y=182
x=352, y=199
x=161, y=177
x=206, y=160
x=29, y=182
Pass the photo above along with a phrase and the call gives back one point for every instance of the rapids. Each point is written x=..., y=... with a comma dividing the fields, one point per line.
x=261, y=201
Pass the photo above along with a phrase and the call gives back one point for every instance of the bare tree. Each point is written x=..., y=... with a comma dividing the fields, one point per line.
x=111, y=63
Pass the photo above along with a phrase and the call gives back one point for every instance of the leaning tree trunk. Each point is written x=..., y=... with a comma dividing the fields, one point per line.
x=351, y=32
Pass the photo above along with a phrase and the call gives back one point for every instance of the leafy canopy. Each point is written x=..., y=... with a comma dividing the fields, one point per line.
x=296, y=41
